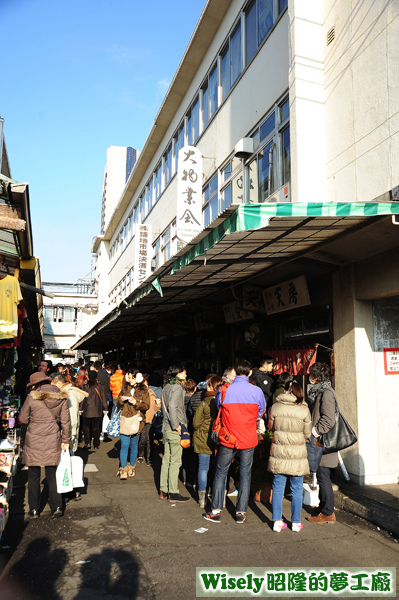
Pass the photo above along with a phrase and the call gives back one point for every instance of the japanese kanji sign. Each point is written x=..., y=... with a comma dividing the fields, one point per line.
x=286, y=296
x=234, y=312
x=142, y=254
x=189, y=194
x=391, y=361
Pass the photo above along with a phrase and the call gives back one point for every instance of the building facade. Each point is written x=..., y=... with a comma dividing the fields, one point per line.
x=68, y=314
x=292, y=107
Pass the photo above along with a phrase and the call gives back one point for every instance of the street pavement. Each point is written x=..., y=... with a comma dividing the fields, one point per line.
x=121, y=542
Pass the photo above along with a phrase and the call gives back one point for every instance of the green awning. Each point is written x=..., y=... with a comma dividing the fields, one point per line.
x=256, y=216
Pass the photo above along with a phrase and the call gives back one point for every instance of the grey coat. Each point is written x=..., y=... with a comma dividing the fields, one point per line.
x=291, y=426
x=172, y=399
x=323, y=418
x=43, y=436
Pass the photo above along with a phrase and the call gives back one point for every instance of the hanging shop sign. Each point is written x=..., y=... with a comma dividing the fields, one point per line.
x=235, y=312
x=189, y=194
x=391, y=361
x=296, y=362
x=253, y=299
x=142, y=254
x=286, y=296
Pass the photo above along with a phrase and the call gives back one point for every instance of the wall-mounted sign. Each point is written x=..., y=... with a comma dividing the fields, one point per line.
x=189, y=194
x=391, y=361
x=234, y=312
x=142, y=254
x=286, y=296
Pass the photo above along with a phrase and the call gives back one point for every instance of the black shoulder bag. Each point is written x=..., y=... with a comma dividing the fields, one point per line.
x=340, y=436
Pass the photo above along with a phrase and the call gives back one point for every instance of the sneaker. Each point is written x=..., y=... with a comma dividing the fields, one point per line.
x=55, y=514
x=149, y=463
x=34, y=514
x=235, y=493
x=178, y=498
x=279, y=526
x=163, y=495
x=297, y=527
x=210, y=516
x=241, y=517
x=140, y=459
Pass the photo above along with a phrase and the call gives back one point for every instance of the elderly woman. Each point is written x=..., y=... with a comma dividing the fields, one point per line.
x=44, y=410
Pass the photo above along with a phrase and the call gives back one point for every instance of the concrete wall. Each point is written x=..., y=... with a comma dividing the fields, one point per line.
x=114, y=179
x=361, y=98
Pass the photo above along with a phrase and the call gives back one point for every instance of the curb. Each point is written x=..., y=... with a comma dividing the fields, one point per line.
x=369, y=510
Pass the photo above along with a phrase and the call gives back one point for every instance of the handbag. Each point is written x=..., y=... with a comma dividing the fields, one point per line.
x=114, y=424
x=315, y=452
x=130, y=425
x=340, y=436
x=220, y=432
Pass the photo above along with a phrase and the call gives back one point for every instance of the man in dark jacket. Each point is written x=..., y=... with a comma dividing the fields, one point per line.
x=264, y=378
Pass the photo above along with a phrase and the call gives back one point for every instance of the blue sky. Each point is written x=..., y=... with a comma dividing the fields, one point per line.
x=79, y=76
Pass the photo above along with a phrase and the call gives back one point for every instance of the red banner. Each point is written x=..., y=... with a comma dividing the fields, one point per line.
x=296, y=362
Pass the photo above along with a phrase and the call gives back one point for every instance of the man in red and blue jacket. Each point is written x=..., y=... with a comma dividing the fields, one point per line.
x=242, y=406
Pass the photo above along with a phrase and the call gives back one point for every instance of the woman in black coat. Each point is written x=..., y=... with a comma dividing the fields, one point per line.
x=93, y=408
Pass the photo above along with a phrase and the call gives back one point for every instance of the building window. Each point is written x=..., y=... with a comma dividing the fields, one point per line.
x=250, y=32
x=166, y=244
x=210, y=201
x=225, y=68
x=158, y=182
x=168, y=165
x=282, y=5
x=205, y=105
x=265, y=18
x=195, y=121
x=157, y=253
x=286, y=148
x=235, y=55
x=213, y=91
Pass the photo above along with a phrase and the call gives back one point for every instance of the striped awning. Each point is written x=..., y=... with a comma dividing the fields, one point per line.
x=243, y=242
x=256, y=216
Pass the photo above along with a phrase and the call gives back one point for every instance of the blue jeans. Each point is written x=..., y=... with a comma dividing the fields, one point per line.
x=224, y=459
x=133, y=442
x=203, y=468
x=296, y=485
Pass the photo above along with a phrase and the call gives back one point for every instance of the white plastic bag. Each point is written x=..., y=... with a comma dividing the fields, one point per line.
x=77, y=467
x=105, y=423
x=63, y=474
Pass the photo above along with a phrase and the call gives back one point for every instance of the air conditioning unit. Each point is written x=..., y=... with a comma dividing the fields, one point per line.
x=244, y=148
x=281, y=195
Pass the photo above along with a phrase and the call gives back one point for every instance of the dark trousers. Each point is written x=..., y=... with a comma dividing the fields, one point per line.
x=145, y=443
x=95, y=424
x=34, y=488
x=326, y=493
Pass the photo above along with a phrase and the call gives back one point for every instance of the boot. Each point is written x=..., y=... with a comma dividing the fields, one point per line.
x=201, y=499
x=131, y=470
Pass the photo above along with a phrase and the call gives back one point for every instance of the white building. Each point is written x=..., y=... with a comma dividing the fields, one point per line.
x=293, y=106
x=118, y=167
x=67, y=316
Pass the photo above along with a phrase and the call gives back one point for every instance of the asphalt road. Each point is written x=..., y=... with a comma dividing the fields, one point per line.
x=121, y=542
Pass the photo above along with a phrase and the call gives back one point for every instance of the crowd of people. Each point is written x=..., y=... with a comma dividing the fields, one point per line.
x=225, y=416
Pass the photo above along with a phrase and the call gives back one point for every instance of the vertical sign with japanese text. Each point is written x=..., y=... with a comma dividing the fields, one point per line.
x=142, y=254
x=391, y=361
x=189, y=194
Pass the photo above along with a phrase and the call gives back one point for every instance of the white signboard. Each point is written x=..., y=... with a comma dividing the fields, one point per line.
x=189, y=194
x=286, y=296
x=142, y=254
x=234, y=312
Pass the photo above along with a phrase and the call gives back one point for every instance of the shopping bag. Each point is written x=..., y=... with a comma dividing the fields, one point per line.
x=77, y=468
x=311, y=493
x=114, y=425
x=105, y=424
x=63, y=474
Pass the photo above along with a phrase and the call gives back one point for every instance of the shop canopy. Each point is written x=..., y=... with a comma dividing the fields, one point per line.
x=243, y=242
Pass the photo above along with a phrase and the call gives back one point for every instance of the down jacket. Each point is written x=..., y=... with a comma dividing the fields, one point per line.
x=291, y=424
x=43, y=436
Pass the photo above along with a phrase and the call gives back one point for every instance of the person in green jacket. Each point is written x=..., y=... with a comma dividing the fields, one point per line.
x=204, y=416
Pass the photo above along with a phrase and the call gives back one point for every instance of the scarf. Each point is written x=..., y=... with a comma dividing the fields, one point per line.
x=314, y=390
x=173, y=380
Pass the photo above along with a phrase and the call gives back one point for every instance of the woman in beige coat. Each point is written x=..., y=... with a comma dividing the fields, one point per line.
x=291, y=424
